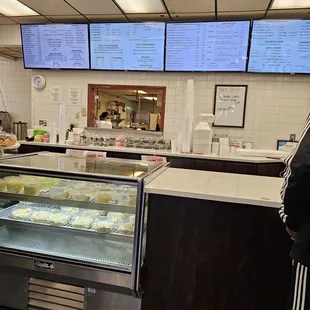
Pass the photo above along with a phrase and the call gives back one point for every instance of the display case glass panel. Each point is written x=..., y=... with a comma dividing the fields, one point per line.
x=73, y=216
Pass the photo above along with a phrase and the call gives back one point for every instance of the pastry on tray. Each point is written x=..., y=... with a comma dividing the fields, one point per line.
x=40, y=217
x=70, y=210
x=21, y=214
x=104, y=197
x=81, y=196
x=103, y=226
x=59, y=193
x=82, y=222
x=126, y=229
x=91, y=213
x=32, y=189
x=15, y=186
x=3, y=186
x=59, y=219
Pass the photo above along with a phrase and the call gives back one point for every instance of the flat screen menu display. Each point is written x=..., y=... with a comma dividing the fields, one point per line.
x=213, y=46
x=55, y=46
x=280, y=46
x=127, y=46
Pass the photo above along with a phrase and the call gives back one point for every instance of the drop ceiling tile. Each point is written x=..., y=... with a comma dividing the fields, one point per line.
x=295, y=13
x=148, y=17
x=193, y=17
x=30, y=19
x=45, y=7
x=241, y=15
x=90, y=7
x=190, y=6
x=6, y=21
x=107, y=18
x=68, y=19
x=242, y=5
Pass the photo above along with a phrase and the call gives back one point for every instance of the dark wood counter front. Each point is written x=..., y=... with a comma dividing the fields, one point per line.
x=205, y=255
x=218, y=165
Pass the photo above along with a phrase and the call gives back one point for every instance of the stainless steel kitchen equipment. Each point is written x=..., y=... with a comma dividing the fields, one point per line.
x=20, y=130
x=6, y=121
x=73, y=233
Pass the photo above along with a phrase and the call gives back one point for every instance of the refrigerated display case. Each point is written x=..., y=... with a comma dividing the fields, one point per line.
x=76, y=222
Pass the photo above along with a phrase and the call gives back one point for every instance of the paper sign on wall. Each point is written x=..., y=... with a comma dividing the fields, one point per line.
x=229, y=106
x=56, y=94
x=74, y=96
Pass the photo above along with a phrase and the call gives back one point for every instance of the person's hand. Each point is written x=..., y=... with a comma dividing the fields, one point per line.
x=292, y=234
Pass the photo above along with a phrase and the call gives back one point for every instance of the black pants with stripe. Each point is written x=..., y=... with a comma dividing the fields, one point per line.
x=300, y=288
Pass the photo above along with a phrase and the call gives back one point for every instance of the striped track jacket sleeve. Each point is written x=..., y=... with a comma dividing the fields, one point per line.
x=296, y=186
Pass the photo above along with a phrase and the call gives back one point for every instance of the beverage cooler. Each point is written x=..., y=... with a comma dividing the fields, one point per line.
x=72, y=232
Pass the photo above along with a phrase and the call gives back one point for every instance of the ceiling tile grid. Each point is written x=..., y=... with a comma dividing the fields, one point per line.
x=84, y=11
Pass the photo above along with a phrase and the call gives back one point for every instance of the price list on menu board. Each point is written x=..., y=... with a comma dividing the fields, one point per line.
x=280, y=46
x=56, y=46
x=135, y=46
x=213, y=46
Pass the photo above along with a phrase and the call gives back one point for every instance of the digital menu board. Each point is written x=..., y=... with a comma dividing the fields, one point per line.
x=55, y=46
x=280, y=46
x=127, y=46
x=207, y=46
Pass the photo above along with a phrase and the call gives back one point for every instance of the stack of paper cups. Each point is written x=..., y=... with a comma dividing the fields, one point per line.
x=215, y=148
x=224, y=150
x=224, y=142
x=188, y=117
x=62, y=123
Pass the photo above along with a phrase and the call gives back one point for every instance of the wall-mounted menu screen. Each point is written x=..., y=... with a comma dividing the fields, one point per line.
x=55, y=46
x=280, y=46
x=127, y=46
x=211, y=46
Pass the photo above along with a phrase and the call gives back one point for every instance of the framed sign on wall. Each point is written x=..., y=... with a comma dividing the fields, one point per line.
x=230, y=105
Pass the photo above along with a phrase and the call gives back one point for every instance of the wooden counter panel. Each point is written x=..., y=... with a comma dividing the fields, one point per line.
x=205, y=255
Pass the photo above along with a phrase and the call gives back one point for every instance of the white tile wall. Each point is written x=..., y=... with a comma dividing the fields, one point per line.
x=277, y=105
x=16, y=89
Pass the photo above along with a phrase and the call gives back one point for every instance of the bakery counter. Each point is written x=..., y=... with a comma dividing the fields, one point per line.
x=220, y=243
x=230, y=164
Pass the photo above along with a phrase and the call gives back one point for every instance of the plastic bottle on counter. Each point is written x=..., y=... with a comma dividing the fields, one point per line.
x=215, y=146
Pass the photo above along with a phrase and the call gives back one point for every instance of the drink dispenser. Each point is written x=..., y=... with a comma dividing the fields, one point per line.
x=20, y=130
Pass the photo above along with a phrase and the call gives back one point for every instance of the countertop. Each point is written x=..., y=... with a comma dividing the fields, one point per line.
x=216, y=186
x=243, y=159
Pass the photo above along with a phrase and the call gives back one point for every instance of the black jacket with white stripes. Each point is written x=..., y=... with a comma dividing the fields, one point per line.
x=295, y=211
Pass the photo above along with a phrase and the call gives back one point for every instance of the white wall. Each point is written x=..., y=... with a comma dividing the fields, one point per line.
x=15, y=83
x=277, y=105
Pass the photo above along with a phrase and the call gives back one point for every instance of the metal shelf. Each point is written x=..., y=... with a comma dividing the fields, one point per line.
x=5, y=218
x=117, y=207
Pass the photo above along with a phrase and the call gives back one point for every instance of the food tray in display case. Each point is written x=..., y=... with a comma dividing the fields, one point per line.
x=73, y=211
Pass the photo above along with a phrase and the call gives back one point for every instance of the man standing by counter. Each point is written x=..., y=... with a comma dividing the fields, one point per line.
x=295, y=213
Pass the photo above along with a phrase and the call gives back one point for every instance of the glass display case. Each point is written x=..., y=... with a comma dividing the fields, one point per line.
x=83, y=218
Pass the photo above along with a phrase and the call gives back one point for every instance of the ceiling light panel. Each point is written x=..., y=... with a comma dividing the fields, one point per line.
x=141, y=6
x=190, y=6
x=241, y=5
x=90, y=7
x=15, y=8
x=194, y=17
x=107, y=18
x=290, y=4
x=59, y=7
x=240, y=15
x=148, y=17
x=68, y=19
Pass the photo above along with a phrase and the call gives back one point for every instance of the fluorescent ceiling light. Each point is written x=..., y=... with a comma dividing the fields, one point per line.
x=141, y=6
x=290, y=4
x=150, y=98
x=15, y=8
